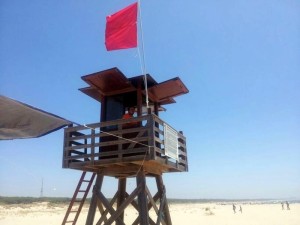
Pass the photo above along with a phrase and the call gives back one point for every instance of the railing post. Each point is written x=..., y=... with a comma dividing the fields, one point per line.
x=92, y=146
x=151, y=138
x=66, y=153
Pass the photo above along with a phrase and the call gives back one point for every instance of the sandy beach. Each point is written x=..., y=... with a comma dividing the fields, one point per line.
x=187, y=213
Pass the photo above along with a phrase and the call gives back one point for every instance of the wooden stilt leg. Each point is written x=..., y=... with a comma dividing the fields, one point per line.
x=161, y=189
x=143, y=205
x=121, y=197
x=142, y=199
x=93, y=204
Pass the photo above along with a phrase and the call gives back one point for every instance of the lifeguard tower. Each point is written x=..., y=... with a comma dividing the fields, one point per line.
x=111, y=148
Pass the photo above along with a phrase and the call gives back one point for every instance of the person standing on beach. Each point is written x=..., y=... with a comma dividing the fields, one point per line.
x=287, y=205
x=282, y=205
x=241, y=210
x=233, y=207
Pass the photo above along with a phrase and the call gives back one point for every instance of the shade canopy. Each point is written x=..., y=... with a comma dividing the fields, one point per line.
x=19, y=120
x=113, y=82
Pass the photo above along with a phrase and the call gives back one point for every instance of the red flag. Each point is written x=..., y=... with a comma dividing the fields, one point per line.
x=121, y=29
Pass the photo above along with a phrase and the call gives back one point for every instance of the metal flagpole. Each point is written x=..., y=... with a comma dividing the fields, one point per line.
x=142, y=53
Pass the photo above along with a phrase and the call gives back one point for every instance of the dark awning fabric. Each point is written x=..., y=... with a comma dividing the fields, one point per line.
x=19, y=120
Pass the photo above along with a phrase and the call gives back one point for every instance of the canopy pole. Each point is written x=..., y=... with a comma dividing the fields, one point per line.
x=142, y=53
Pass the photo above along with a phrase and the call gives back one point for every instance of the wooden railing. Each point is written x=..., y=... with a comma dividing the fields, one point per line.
x=144, y=138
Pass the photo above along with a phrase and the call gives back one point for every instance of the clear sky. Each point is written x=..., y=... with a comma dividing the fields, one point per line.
x=239, y=59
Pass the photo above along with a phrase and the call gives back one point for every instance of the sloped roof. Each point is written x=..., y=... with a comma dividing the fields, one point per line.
x=113, y=82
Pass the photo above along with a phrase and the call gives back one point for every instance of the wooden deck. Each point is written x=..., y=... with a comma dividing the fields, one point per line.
x=120, y=148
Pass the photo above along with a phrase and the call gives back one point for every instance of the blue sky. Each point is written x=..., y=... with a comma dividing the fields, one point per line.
x=239, y=59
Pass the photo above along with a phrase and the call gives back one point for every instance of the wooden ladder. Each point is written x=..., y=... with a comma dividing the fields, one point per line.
x=78, y=198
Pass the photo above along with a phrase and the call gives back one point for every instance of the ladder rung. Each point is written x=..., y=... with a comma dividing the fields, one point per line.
x=86, y=180
x=82, y=191
x=69, y=221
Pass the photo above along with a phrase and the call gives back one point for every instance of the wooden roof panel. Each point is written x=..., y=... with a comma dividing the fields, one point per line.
x=167, y=90
x=109, y=82
x=167, y=101
x=113, y=82
x=92, y=92
x=140, y=79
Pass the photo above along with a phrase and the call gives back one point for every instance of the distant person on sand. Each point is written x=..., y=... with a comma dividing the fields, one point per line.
x=233, y=207
x=282, y=205
x=241, y=210
x=287, y=205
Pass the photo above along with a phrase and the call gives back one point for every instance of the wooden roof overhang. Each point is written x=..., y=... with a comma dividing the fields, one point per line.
x=113, y=82
x=106, y=83
x=165, y=92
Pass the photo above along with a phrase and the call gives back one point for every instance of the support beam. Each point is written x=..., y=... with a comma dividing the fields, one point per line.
x=104, y=213
x=162, y=190
x=142, y=198
x=93, y=204
x=111, y=214
x=121, y=196
x=111, y=210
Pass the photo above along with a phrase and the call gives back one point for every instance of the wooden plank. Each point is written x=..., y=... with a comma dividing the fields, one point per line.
x=161, y=208
x=76, y=133
x=133, y=202
x=118, y=83
x=93, y=147
x=115, y=214
x=93, y=204
x=161, y=189
x=142, y=199
x=78, y=155
x=155, y=198
x=115, y=169
x=152, y=202
x=110, y=209
x=120, y=140
x=104, y=213
x=65, y=163
x=121, y=197
x=100, y=167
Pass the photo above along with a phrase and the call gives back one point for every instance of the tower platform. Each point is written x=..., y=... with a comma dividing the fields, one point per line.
x=113, y=150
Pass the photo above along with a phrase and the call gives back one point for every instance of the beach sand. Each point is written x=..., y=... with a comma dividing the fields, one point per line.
x=187, y=214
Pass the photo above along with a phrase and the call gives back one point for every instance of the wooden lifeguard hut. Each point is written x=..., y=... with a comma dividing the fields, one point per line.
x=111, y=148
